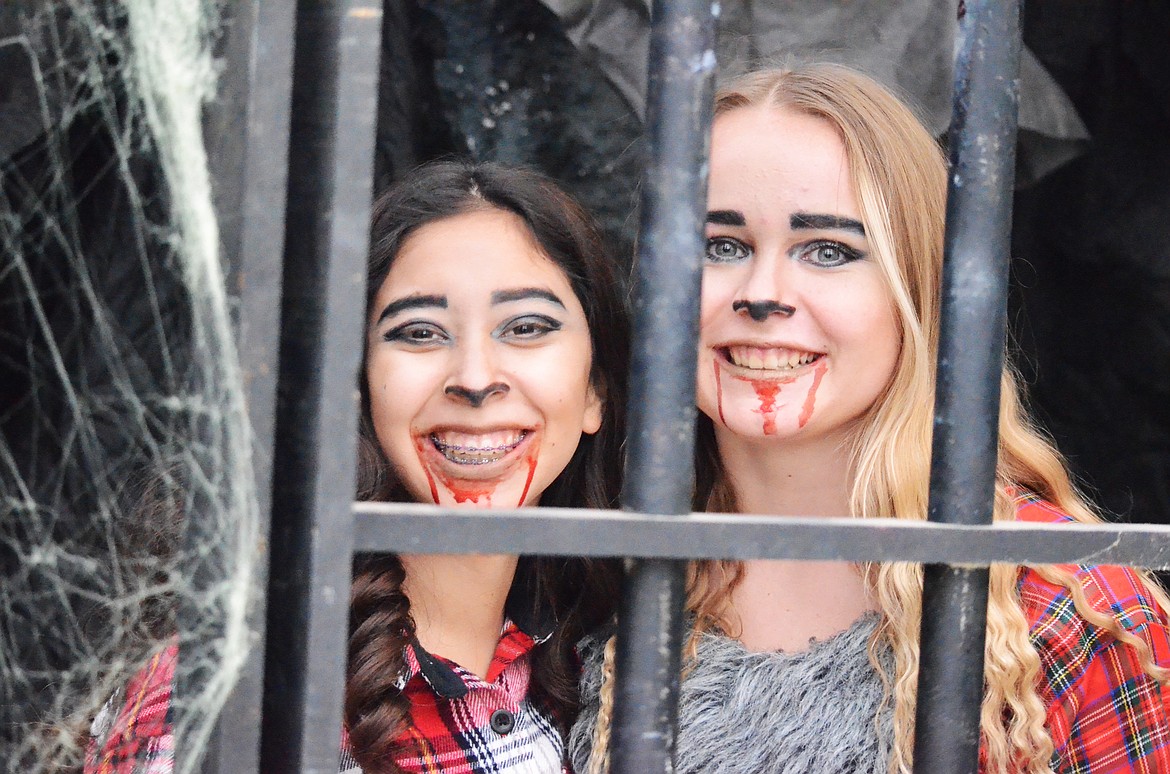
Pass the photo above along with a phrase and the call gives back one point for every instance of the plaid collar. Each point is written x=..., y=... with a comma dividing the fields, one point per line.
x=525, y=626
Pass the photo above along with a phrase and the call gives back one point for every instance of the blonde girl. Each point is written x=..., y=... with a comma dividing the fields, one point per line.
x=819, y=336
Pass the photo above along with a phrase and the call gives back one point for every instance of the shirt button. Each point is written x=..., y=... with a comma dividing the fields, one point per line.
x=503, y=721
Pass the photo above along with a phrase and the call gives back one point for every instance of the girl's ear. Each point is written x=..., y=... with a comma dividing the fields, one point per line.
x=594, y=408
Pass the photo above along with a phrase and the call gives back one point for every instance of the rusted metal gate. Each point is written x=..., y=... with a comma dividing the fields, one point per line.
x=303, y=77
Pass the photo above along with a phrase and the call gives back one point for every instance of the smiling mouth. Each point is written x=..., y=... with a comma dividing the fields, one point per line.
x=476, y=449
x=768, y=358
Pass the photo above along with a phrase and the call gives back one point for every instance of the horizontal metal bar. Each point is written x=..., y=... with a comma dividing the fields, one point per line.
x=399, y=527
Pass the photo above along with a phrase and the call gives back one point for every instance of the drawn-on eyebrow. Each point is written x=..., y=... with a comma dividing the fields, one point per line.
x=726, y=218
x=520, y=294
x=412, y=302
x=800, y=220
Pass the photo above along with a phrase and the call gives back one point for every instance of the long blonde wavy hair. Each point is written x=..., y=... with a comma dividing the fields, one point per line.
x=900, y=177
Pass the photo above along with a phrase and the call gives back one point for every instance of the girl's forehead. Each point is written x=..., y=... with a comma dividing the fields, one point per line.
x=772, y=162
x=471, y=257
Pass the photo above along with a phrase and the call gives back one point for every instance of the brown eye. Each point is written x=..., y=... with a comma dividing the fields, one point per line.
x=526, y=329
x=416, y=334
x=529, y=327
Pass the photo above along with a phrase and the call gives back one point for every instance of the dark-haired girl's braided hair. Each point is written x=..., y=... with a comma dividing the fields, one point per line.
x=375, y=712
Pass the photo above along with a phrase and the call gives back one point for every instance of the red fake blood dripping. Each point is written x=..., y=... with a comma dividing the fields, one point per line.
x=719, y=392
x=811, y=399
x=431, y=481
x=470, y=491
x=767, y=392
x=419, y=445
x=463, y=491
x=528, y=481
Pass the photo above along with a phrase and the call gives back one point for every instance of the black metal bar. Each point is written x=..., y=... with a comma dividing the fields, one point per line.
x=326, y=239
x=247, y=139
x=659, y=476
x=569, y=531
x=974, y=310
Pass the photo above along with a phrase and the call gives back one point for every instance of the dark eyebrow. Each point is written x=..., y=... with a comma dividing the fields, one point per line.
x=520, y=294
x=800, y=220
x=726, y=218
x=411, y=302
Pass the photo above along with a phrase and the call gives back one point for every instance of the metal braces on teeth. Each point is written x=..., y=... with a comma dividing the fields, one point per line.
x=463, y=461
x=445, y=447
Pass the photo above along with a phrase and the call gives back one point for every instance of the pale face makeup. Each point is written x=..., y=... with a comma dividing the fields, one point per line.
x=478, y=364
x=798, y=335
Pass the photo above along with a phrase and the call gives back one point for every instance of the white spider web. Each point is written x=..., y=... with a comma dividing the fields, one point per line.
x=127, y=502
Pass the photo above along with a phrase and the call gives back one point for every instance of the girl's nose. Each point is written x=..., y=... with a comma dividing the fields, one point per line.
x=765, y=291
x=475, y=378
x=762, y=310
x=475, y=398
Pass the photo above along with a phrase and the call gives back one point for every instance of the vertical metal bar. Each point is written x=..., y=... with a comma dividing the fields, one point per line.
x=326, y=239
x=974, y=311
x=247, y=138
x=659, y=474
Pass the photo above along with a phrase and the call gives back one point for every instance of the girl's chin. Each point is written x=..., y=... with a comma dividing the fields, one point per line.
x=511, y=487
x=756, y=428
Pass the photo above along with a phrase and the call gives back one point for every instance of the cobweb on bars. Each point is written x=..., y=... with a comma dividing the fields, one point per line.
x=127, y=503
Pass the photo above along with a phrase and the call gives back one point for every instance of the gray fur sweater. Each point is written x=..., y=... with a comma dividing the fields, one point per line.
x=742, y=712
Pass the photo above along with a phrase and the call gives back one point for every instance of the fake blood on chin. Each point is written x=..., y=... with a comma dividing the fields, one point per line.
x=465, y=490
x=766, y=392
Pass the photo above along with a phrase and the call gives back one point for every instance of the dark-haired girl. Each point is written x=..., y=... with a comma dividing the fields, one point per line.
x=493, y=377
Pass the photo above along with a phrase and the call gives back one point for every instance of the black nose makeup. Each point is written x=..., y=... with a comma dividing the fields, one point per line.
x=475, y=398
x=762, y=310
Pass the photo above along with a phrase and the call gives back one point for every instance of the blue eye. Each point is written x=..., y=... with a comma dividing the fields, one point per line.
x=828, y=254
x=726, y=250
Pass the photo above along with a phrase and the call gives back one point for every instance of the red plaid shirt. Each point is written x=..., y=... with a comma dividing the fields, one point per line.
x=1104, y=713
x=461, y=724
x=137, y=738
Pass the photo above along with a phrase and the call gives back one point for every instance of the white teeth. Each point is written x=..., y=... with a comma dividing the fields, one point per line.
x=467, y=449
x=769, y=359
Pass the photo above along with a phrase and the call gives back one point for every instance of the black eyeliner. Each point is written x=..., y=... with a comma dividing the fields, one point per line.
x=551, y=323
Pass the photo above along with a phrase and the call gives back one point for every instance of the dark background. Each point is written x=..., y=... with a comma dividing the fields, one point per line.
x=1091, y=300
x=499, y=79
x=1090, y=303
